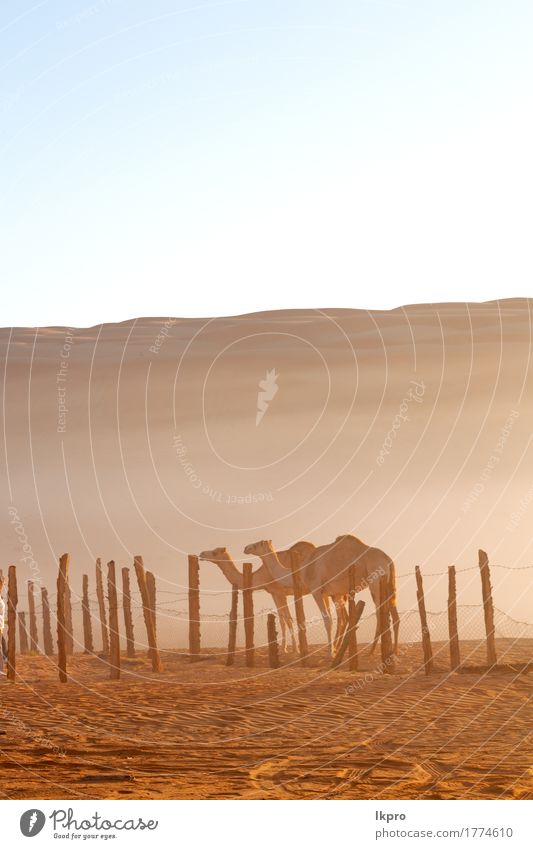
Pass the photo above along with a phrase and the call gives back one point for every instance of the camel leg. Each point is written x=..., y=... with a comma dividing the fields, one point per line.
x=289, y=623
x=396, y=625
x=342, y=622
x=374, y=592
x=286, y=622
x=345, y=620
x=326, y=616
x=282, y=624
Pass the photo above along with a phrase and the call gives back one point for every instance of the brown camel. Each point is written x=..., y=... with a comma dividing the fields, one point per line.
x=261, y=580
x=325, y=573
x=283, y=578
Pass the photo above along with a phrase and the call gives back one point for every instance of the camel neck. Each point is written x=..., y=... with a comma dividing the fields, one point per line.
x=230, y=572
x=276, y=570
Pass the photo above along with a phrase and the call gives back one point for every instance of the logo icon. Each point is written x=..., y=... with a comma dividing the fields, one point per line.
x=32, y=822
x=267, y=389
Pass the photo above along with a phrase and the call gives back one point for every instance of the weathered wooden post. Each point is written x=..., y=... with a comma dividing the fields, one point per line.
x=299, y=607
x=114, y=639
x=47, y=629
x=126, y=606
x=341, y=651
x=455, y=657
x=248, y=614
x=194, y=608
x=357, y=613
x=232, y=637
x=34, y=636
x=488, y=607
x=87, y=625
x=150, y=586
x=353, y=659
x=273, y=651
x=12, y=601
x=101, y=607
x=153, y=651
x=62, y=579
x=426, y=639
x=69, y=635
x=23, y=634
x=387, y=654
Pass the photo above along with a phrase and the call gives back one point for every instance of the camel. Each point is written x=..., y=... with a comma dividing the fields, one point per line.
x=283, y=577
x=325, y=573
x=261, y=580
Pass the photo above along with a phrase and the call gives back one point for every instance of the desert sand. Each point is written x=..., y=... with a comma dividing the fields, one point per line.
x=204, y=731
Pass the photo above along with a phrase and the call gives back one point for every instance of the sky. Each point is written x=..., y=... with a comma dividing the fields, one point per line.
x=209, y=158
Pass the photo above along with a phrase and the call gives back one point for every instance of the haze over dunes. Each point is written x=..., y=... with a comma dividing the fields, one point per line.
x=410, y=428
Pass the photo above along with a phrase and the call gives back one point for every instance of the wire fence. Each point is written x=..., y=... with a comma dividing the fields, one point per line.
x=172, y=618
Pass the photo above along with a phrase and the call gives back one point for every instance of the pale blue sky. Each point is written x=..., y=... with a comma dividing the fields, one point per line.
x=188, y=157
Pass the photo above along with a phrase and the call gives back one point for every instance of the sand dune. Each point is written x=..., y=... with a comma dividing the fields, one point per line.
x=159, y=452
x=410, y=428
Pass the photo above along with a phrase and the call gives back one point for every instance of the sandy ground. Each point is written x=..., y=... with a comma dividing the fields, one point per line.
x=204, y=731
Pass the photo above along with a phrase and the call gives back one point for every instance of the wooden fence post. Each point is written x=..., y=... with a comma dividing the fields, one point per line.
x=232, y=637
x=12, y=601
x=47, y=630
x=87, y=625
x=62, y=579
x=426, y=639
x=126, y=606
x=114, y=638
x=455, y=656
x=101, y=607
x=34, y=636
x=23, y=634
x=69, y=635
x=273, y=651
x=153, y=651
x=194, y=608
x=356, y=615
x=150, y=586
x=353, y=659
x=299, y=607
x=488, y=607
x=387, y=653
x=248, y=613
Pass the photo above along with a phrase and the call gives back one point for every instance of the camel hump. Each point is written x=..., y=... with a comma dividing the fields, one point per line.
x=349, y=537
x=302, y=547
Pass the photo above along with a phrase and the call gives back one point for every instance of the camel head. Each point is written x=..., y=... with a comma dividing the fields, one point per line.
x=264, y=546
x=216, y=555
